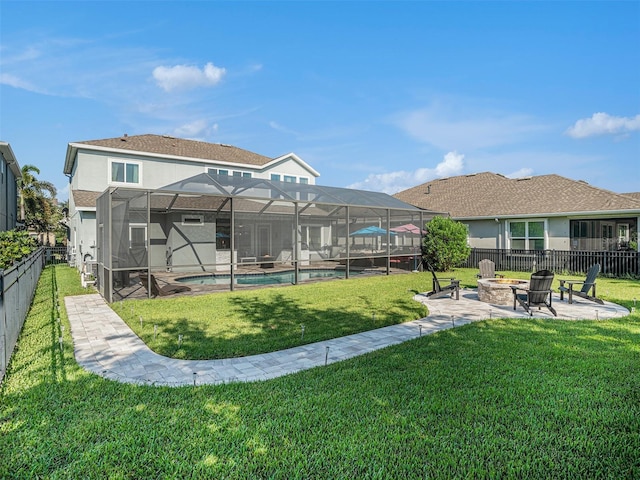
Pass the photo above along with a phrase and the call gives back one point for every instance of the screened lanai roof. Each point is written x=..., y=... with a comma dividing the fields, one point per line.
x=260, y=188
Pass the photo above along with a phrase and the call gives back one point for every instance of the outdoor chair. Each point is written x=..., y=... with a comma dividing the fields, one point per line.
x=588, y=284
x=158, y=291
x=537, y=294
x=488, y=269
x=443, y=291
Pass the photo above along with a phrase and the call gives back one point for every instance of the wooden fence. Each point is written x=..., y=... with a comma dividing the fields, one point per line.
x=17, y=288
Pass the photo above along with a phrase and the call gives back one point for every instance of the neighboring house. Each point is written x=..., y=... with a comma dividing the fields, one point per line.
x=151, y=162
x=9, y=175
x=547, y=212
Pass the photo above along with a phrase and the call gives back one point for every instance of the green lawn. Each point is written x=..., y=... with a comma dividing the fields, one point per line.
x=502, y=398
x=234, y=324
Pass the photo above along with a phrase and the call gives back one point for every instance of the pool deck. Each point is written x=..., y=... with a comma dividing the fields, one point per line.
x=105, y=345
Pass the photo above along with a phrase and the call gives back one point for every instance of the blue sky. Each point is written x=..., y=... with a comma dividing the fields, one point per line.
x=374, y=95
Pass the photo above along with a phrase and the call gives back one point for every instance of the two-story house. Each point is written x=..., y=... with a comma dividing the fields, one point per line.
x=9, y=175
x=151, y=162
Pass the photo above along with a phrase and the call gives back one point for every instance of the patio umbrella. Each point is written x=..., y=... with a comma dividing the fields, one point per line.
x=371, y=231
x=408, y=228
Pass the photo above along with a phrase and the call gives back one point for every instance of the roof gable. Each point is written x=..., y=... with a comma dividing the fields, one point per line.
x=172, y=147
x=487, y=194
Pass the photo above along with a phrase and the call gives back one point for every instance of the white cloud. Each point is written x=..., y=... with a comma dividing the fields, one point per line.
x=397, y=181
x=603, y=124
x=466, y=127
x=15, y=82
x=281, y=128
x=182, y=77
x=195, y=130
x=523, y=172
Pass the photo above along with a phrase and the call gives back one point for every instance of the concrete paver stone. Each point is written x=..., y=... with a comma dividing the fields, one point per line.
x=104, y=344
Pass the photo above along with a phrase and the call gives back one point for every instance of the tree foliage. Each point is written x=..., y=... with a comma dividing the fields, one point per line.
x=38, y=208
x=14, y=246
x=445, y=243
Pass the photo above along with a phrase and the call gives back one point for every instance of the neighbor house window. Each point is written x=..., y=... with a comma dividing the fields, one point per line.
x=527, y=235
x=275, y=177
x=289, y=179
x=125, y=172
x=304, y=180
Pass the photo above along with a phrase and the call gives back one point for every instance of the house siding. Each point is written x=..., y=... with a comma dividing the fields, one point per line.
x=91, y=171
x=8, y=189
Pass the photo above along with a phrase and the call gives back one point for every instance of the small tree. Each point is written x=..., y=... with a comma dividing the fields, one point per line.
x=35, y=199
x=445, y=243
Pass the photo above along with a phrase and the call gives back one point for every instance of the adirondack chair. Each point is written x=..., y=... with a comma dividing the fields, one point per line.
x=537, y=294
x=442, y=291
x=158, y=291
x=488, y=269
x=588, y=284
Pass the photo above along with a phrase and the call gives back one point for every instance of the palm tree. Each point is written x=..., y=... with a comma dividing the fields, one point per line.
x=31, y=192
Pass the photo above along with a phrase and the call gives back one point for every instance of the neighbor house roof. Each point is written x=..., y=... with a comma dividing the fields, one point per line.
x=177, y=148
x=487, y=195
x=10, y=158
x=635, y=195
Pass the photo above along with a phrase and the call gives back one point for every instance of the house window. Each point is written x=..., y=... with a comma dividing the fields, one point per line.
x=193, y=220
x=246, y=174
x=527, y=235
x=289, y=179
x=125, y=172
x=137, y=236
x=223, y=233
x=304, y=180
x=275, y=177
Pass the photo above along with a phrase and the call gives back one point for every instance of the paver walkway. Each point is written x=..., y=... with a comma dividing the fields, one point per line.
x=105, y=345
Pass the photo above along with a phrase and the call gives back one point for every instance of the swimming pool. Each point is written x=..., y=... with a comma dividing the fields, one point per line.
x=271, y=278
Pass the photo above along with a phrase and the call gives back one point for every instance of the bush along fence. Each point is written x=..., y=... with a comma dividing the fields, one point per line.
x=17, y=288
x=618, y=264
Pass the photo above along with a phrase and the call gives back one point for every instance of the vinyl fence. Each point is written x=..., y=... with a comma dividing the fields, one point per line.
x=618, y=264
x=17, y=288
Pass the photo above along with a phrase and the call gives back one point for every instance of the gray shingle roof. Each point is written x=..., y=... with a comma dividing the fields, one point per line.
x=635, y=195
x=488, y=194
x=171, y=146
x=85, y=198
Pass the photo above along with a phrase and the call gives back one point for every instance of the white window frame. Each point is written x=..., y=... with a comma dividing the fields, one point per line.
x=125, y=162
x=229, y=172
x=526, y=237
x=137, y=226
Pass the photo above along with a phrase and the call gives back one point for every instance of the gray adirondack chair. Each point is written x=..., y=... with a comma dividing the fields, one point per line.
x=488, y=269
x=537, y=294
x=588, y=285
x=442, y=291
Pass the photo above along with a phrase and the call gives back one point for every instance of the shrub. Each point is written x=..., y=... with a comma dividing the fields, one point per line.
x=15, y=245
x=445, y=243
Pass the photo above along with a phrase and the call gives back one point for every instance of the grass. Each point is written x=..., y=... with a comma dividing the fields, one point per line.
x=234, y=324
x=224, y=325
x=496, y=399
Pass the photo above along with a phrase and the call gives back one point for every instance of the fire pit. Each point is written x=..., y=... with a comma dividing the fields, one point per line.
x=497, y=291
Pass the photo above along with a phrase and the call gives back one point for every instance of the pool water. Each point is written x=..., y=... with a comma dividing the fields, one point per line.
x=274, y=278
